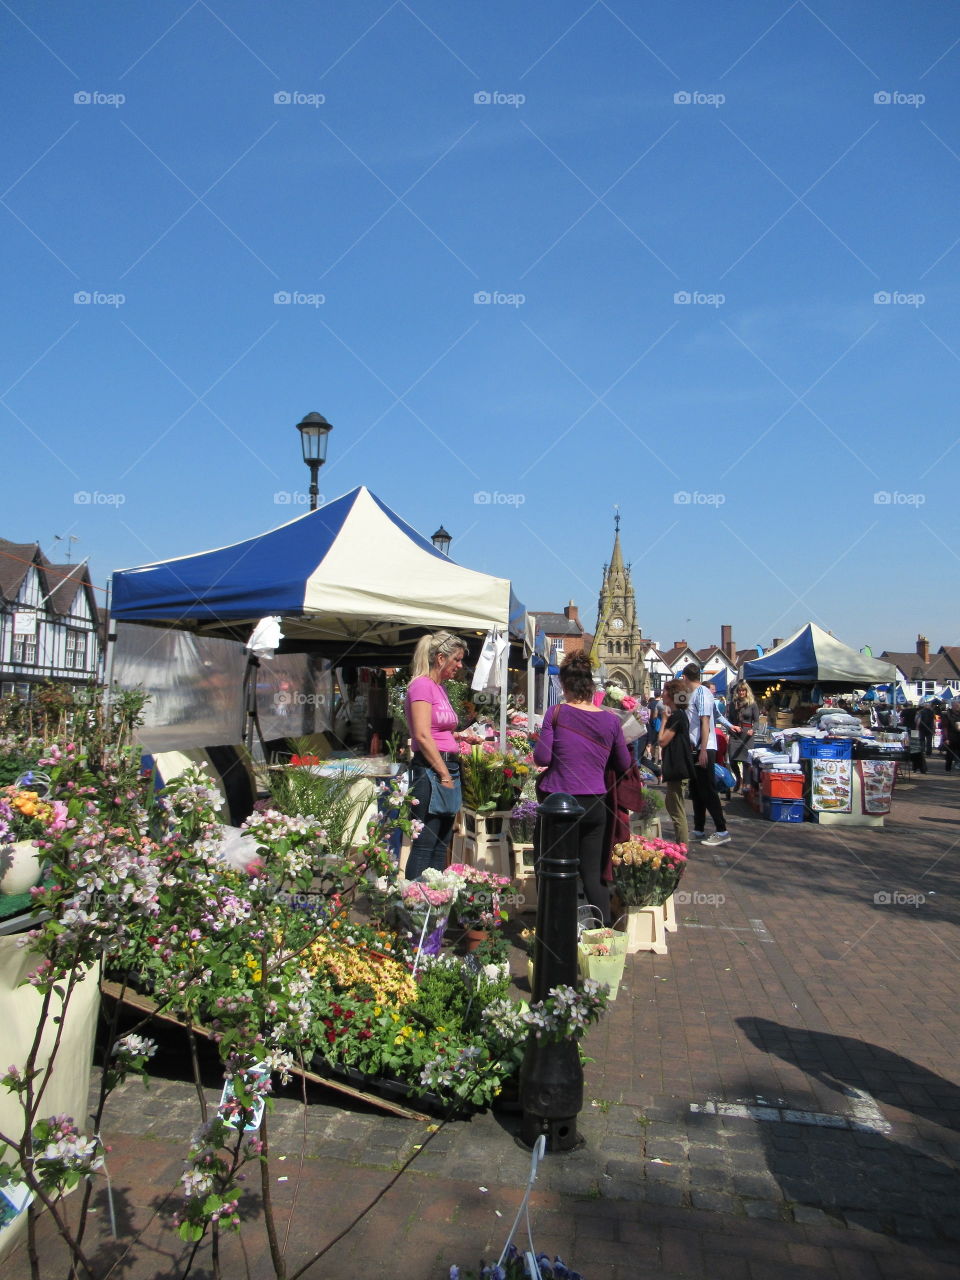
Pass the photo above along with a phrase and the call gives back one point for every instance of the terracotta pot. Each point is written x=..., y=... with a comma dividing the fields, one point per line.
x=21, y=865
x=475, y=937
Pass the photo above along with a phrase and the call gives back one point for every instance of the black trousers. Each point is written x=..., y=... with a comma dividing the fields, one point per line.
x=703, y=787
x=591, y=830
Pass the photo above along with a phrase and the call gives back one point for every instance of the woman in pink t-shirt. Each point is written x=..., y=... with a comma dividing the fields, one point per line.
x=435, y=770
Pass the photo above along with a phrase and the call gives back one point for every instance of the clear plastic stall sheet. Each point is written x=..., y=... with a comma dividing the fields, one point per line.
x=195, y=687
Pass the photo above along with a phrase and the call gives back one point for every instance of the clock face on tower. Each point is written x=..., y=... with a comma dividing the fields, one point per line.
x=617, y=624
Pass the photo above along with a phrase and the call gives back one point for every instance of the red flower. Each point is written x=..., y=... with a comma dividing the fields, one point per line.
x=331, y=1037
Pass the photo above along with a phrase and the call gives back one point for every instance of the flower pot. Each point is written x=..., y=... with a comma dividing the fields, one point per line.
x=21, y=866
x=474, y=938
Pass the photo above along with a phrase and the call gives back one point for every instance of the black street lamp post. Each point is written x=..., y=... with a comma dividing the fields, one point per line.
x=314, y=430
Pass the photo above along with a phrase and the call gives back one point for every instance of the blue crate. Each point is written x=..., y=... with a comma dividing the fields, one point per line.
x=818, y=749
x=782, y=810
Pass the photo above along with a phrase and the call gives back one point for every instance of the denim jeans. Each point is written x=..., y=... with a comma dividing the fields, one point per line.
x=430, y=847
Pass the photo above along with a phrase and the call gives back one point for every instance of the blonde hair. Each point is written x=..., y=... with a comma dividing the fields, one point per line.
x=430, y=647
x=749, y=700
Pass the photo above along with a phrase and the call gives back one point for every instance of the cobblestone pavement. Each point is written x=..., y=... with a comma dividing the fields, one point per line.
x=777, y=1096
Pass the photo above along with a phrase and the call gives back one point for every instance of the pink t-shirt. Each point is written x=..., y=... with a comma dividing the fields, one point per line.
x=443, y=718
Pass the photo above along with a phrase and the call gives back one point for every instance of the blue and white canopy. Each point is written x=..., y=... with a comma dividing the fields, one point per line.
x=812, y=656
x=350, y=571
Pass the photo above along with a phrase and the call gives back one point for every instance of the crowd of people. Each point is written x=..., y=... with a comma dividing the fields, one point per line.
x=688, y=731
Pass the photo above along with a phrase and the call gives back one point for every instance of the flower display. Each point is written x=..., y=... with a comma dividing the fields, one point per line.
x=646, y=872
x=478, y=900
x=25, y=815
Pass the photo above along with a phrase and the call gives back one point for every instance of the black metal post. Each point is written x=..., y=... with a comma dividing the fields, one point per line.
x=314, y=487
x=551, y=1077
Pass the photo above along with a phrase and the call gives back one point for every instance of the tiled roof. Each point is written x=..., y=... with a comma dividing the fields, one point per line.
x=557, y=624
x=15, y=560
x=939, y=668
x=670, y=656
x=746, y=655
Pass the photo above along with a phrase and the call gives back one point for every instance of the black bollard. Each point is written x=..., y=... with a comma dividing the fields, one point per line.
x=551, y=1077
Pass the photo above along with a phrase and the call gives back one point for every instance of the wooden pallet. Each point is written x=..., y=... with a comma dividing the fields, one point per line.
x=144, y=1004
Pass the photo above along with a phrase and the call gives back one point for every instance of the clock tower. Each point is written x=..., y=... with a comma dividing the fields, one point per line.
x=616, y=645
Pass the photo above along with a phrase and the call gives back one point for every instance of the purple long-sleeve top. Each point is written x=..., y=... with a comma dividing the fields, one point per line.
x=578, y=745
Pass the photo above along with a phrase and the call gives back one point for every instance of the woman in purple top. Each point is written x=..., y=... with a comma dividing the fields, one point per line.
x=435, y=769
x=579, y=742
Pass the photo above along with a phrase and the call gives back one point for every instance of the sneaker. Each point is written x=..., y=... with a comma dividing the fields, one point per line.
x=699, y=835
x=718, y=837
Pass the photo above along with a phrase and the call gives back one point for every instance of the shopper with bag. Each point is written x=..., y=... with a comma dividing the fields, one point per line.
x=435, y=769
x=676, y=757
x=577, y=743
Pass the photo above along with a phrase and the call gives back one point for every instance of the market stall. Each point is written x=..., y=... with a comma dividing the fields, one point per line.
x=823, y=764
x=350, y=582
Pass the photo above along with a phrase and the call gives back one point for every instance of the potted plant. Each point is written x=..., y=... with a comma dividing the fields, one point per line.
x=27, y=822
x=602, y=954
x=645, y=874
x=478, y=901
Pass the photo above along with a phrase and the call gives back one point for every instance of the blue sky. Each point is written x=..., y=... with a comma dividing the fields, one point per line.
x=783, y=445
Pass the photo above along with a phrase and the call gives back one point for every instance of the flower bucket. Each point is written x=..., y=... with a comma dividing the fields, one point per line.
x=602, y=954
x=21, y=866
x=606, y=969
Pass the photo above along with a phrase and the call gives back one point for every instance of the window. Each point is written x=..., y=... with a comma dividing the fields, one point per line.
x=76, y=654
x=558, y=645
x=24, y=648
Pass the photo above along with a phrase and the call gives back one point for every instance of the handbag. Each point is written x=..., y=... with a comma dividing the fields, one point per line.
x=444, y=801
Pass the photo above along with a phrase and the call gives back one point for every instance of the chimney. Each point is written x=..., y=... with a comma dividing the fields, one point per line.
x=726, y=643
x=923, y=649
x=777, y=643
x=571, y=612
x=680, y=644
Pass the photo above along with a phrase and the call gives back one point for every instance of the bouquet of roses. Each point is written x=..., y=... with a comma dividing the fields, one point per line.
x=646, y=872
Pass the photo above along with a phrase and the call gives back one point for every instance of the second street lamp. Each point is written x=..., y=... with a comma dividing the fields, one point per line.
x=314, y=429
x=441, y=540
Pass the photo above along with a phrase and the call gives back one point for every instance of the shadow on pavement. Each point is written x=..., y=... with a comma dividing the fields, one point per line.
x=861, y=1172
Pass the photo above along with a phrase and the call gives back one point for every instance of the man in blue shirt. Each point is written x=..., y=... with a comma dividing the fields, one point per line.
x=703, y=740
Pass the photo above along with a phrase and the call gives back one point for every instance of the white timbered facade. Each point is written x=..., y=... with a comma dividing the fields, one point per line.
x=49, y=623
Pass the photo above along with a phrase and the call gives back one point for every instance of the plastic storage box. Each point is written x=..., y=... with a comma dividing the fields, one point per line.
x=783, y=810
x=782, y=786
x=818, y=749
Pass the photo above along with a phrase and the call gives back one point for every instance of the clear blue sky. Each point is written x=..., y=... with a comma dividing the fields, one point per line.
x=781, y=410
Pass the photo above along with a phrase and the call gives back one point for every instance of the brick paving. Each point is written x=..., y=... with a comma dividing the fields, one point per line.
x=777, y=1096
